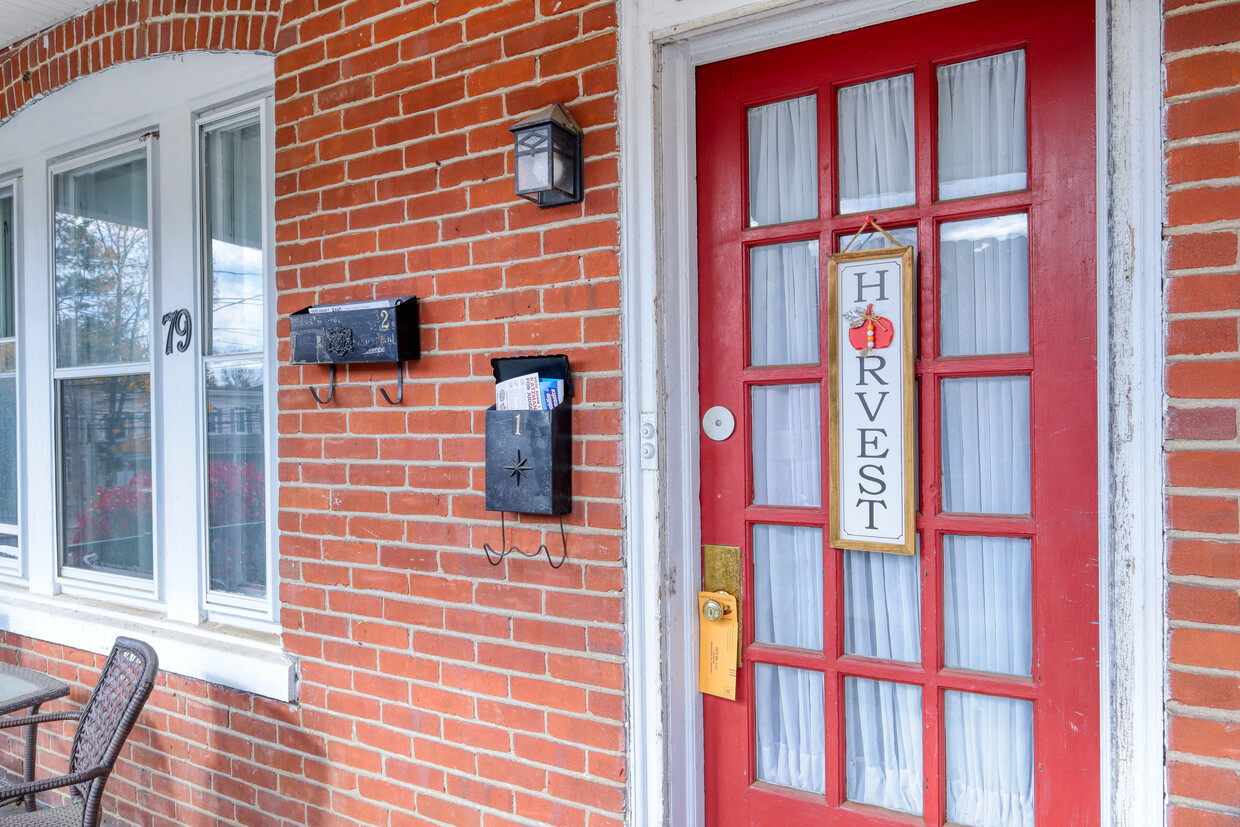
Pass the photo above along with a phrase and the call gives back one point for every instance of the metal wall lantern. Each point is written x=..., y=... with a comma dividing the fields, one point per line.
x=548, y=157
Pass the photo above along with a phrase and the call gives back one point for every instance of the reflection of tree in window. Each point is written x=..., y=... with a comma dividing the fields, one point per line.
x=101, y=291
x=103, y=263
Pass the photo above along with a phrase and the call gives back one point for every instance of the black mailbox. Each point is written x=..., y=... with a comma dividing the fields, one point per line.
x=383, y=330
x=530, y=453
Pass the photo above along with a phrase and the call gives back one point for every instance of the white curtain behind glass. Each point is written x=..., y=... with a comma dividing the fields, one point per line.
x=787, y=574
x=982, y=126
x=783, y=161
x=790, y=712
x=985, y=286
x=883, y=737
x=783, y=287
x=989, y=760
x=876, y=145
x=986, y=451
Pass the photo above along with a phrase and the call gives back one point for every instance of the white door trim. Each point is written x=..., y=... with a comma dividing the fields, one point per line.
x=658, y=255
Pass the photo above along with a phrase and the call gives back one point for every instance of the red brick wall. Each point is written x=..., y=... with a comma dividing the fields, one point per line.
x=435, y=689
x=1202, y=58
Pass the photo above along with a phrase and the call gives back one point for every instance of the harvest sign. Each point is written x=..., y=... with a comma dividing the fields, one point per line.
x=870, y=312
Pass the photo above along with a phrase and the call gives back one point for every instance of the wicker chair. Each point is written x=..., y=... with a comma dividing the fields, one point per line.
x=103, y=725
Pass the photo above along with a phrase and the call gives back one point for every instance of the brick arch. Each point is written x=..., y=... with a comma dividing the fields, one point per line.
x=117, y=31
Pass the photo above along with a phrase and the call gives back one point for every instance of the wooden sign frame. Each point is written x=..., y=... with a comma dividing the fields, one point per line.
x=867, y=480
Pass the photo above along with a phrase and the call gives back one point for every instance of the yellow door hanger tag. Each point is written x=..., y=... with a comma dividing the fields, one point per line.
x=718, y=634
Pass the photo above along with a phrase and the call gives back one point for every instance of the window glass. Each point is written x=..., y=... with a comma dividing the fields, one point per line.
x=232, y=165
x=984, y=264
x=237, y=489
x=103, y=263
x=787, y=454
x=882, y=722
x=235, y=383
x=882, y=605
x=877, y=166
x=986, y=449
x=787, y=575
x=783, y=161
x=982, y=143
x=989, y=779
x=8, y=387
x=790, y=713
x=105, y=432
x=783, y=303
x=988, y=604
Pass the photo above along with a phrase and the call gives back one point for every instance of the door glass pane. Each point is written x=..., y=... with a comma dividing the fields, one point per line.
x=783, y=161
x=789, y=706
x=882, y=722
x=986, y=465
x=985, y=274
x=787, y=574
x=783, y=303
x=234, y=213
x=988, y=604
x=876, y=145
x=989, y=760
x=105, y=426
x=102, y=263
x=787, y=446
x=982, y=126
x=882, y=605
x=236, y=504
x=874, y=240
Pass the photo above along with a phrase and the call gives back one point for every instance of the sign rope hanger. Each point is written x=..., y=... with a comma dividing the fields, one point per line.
x=870, y=222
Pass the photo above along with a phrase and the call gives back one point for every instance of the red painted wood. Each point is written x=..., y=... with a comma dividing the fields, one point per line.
x=1058, y=38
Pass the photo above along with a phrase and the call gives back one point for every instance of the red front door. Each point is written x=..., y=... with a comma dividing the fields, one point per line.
x=958, y=685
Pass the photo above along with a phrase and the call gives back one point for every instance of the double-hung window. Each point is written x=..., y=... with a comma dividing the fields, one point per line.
x=137, y=257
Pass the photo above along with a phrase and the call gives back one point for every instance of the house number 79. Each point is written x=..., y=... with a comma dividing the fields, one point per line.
x=179, y=324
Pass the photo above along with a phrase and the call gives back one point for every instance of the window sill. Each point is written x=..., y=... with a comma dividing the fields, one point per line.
x=245, y=659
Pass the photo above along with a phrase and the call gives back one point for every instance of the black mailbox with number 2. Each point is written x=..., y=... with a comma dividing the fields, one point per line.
x=383, y=330
x=530, y=452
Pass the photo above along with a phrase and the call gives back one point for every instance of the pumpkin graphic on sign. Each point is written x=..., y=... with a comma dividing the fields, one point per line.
x=867, y=330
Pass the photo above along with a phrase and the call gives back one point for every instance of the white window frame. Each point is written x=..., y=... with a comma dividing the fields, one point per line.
x=221, y=606
x=161, y=103
x=131, y=591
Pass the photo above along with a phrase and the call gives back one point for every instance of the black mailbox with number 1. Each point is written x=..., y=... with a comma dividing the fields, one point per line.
x=529, y=453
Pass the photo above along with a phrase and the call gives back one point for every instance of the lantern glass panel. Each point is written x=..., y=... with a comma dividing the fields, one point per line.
x=532, y=172
x=533, y=159
x=562, y=177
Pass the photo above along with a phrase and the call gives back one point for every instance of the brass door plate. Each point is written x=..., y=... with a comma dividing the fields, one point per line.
x=722, y=572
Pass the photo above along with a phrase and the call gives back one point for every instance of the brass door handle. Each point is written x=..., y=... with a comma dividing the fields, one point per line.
x=712, y=610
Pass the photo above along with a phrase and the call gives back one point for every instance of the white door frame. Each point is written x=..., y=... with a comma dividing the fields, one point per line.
x=661, y=45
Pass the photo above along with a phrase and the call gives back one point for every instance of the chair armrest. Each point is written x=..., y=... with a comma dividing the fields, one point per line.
x=21, y=790
x=42, y=718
